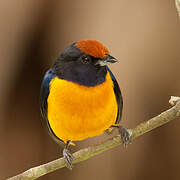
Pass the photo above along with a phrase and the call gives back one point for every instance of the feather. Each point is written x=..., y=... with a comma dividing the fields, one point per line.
x=118, y=94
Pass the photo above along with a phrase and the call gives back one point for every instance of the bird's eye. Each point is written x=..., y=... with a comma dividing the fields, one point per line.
x=85, y=59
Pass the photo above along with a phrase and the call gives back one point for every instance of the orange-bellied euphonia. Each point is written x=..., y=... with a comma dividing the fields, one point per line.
x=80, y=97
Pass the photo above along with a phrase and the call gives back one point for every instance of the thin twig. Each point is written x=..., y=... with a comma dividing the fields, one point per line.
x=178, y=6
x=91, y=151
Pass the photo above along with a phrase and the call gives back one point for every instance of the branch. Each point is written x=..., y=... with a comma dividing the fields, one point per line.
x=91, y=151
x=178, y=6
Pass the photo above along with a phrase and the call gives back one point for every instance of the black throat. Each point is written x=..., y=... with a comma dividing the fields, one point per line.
x=89, y=76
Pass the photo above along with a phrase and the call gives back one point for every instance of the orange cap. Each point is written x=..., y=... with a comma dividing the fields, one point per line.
x=93, y=48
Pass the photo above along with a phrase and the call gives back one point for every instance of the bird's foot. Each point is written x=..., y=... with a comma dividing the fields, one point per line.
x=125, y=135
x=68, y=157
x=109, y=131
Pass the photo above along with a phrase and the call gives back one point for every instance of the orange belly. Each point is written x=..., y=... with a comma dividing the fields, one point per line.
x=76, y=112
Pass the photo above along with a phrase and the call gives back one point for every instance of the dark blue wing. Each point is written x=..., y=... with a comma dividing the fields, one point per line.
x=44, y=93
x=119, y=98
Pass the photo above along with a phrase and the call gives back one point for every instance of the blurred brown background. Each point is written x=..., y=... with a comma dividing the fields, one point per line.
x=143, y=35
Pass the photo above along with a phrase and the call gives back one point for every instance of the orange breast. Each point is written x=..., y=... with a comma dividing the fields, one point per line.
x=76, y=112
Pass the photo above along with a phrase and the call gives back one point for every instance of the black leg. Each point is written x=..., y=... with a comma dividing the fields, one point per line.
x=68, y=156
x=125, y=136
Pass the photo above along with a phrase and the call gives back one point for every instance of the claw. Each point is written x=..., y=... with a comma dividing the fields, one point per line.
x=125, y=135
x=68, y=157
x=109, y=131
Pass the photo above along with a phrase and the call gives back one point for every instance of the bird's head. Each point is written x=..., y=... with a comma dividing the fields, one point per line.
x=84, y=62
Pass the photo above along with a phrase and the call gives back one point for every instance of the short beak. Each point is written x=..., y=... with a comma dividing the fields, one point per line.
x=110, y=59
x=107, y=60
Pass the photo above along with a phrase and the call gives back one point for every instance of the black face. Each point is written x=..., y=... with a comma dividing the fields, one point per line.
x=76, y=66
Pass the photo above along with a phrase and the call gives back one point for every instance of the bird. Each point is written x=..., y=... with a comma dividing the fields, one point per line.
x=80, y=97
